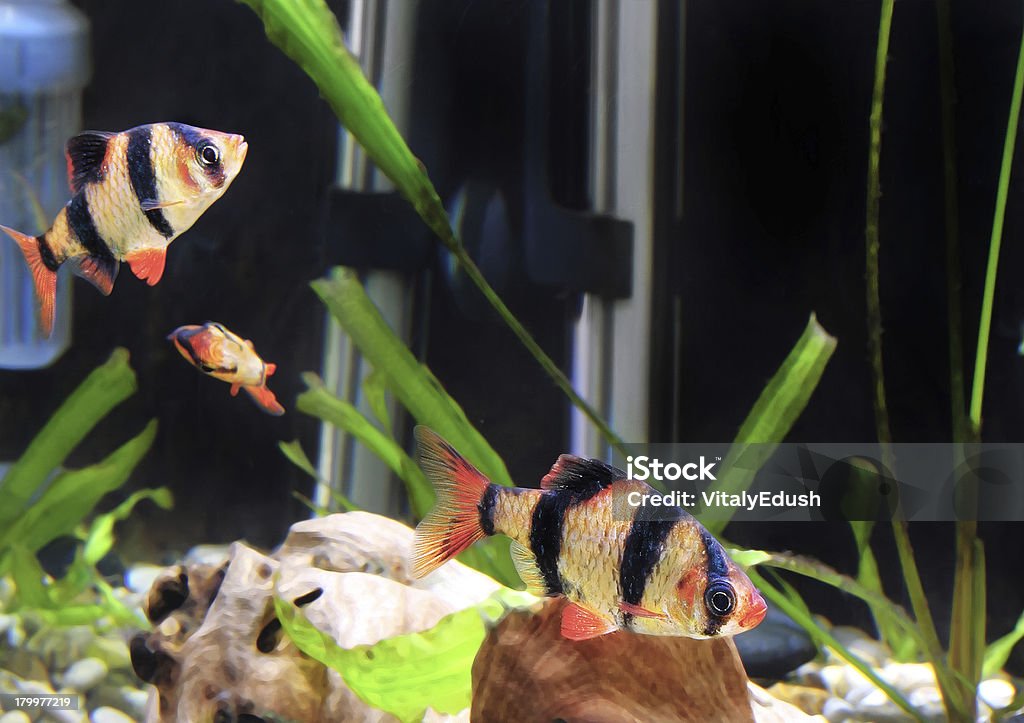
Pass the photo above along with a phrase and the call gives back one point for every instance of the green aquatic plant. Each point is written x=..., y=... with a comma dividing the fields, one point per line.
x=406, y=674
x=40, y=502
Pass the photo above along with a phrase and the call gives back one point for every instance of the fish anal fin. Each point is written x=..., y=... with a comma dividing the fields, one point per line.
x=576, y=474
x=266, y=399
x=526, y=565
x=234, y=388
x=454, y=523
x=45, y=280
x=148, y=264
x=641, y=612
x=578, y=623
x=85, y=155
x=100, y=271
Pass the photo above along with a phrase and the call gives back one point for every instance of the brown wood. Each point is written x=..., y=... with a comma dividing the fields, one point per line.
x=526, y=671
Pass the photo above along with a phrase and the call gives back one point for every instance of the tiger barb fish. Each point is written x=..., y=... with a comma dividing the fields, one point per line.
x=213, y=349
x=132, y=194
x=619, y=572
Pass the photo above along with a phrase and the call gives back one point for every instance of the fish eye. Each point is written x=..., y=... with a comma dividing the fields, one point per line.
x=208, y=154
x=720, y=598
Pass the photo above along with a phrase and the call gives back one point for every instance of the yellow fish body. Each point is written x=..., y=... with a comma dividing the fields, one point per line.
x=665, y=576
x=132, y=194
x=214, y=350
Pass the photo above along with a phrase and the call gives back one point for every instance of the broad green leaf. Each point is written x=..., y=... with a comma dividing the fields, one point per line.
x=28, y=577
x=105, y=388
x=100, y=538
x=998, y=652
x=774, y=414
x=406, y=674
x=375, y=389
x=902, y=646
x=73, y=494
x=308, y=33
x=409, y=380
x=297, y=456
x=319, y=402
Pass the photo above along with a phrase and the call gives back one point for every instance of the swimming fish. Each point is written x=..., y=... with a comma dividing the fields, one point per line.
x=575, y=537
x=222, y=354
x=132, y=194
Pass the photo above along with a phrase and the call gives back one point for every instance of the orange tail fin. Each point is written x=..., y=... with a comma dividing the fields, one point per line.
x=455, y=522
x=45, y=280
x=266, y=399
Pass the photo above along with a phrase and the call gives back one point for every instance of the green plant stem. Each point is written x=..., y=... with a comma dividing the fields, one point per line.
x=985, y=324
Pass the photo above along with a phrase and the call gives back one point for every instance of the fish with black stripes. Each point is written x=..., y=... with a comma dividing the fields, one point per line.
x=620, y=567
x=215, y=350
x=132, y=194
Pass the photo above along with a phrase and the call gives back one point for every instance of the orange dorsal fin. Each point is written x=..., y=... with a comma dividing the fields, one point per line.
x=85, y=154
x=454, y=523
x=148, y=264
x=266, y=399
x=578, y=623
x=44, y=279
x=100, y=271
x=639, y=612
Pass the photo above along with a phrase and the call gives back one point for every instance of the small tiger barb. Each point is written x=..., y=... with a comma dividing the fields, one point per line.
x=620, y=567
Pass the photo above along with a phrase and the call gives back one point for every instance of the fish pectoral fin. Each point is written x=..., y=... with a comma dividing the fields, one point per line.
x=526, y=565
x=234, y=389
x=269, y=369
x=151, y=204
x=100, y=271
x=578, y=623
x=148, y=264
x=266, y=399
x=85, y=154
x=640, y=612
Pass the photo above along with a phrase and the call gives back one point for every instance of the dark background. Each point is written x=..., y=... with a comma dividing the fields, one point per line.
x=774, y=132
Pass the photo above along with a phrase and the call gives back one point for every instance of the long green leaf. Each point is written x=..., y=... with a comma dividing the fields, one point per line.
x=105, y=388
x=406, y=674
x=823, y=637
x=297, y=456
x=998, y=652
x=73, y=494
x=774, y=413
x=903, y=646
x=409, y=380
x=319, y=402
x=308, y=33
x=100, y=538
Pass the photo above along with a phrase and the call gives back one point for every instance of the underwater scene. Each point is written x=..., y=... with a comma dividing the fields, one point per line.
x=494, y=360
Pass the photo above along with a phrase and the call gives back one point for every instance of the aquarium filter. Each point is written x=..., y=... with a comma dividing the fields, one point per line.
x=44, y=65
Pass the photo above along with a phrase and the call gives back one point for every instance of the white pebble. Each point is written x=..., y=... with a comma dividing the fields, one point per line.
x=106, y=714
x=85, y=674
x=139, y=578
x=15, y=716
x=928, y=702
x=837, y=710
x=909, y=676
x=996, y=692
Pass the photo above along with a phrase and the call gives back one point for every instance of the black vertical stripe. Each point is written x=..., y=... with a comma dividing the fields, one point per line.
x=81, y=223
x=546, y=530
x=486, y=509
x=644, y=548
x=143, y=177
x=717, y=567
x=46, y=254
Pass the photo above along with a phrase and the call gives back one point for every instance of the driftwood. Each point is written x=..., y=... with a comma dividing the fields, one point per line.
x=527, y=671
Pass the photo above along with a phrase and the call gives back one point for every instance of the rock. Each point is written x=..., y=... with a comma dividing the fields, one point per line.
x=64, y=716
x=214, y=555
x=860, y=644
x=928, y=702
x=85, y=675
x=6, y=621
x=774, y=648
x=109, y=715
x=112, y=651
x=996, y=692
x=26, y=664
x=527, y=666
x=810, y=700
x=769, y=709
x=59, y=647
x=909, y=676
x=139, y=578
